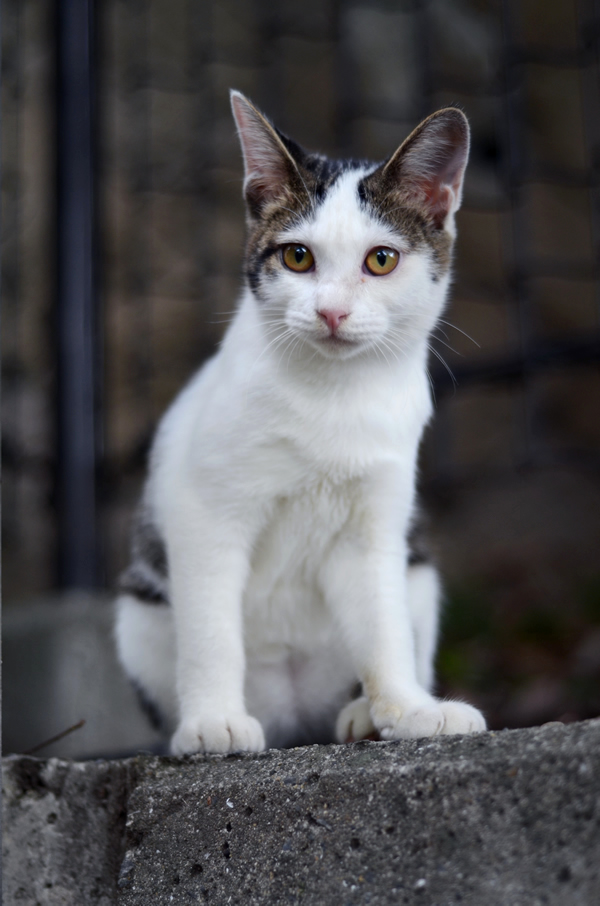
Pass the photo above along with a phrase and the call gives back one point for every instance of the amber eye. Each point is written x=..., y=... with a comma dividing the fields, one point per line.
x=381, y=261
x=297, y=257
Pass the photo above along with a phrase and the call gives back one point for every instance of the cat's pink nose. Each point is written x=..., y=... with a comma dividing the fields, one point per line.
x=332, y=317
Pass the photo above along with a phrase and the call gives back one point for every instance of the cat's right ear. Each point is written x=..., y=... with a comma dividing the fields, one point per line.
x=429, y=167
x=269, y=167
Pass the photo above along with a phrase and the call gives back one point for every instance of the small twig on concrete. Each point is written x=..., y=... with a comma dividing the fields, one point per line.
x=48, y=742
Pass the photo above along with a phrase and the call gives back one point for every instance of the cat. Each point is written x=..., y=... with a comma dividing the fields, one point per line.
x=278, y=591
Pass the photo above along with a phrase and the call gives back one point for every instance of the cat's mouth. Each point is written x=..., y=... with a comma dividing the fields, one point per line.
x=335, y=346
x=334, y=340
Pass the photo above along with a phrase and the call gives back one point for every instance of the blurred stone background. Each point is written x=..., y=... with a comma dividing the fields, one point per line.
x=511, y=466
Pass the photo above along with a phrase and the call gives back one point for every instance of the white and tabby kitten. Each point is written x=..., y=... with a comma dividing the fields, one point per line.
x=276, y=566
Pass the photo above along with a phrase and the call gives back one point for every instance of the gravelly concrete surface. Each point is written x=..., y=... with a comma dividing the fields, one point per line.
x=492, y=820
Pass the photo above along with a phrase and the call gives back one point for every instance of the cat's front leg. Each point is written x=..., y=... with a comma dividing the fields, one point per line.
x=208, y=561
x=364, y=580
x=374, y=621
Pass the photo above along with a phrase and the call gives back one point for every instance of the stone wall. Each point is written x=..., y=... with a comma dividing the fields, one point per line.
x=501, y=819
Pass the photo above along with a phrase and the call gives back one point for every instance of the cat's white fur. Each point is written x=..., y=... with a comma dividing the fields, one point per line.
x=283, y=482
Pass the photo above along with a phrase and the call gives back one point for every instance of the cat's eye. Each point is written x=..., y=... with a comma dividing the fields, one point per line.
x=297, y=257
x=381, y=261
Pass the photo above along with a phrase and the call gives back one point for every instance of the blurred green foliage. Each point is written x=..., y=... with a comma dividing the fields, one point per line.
x=522, y=664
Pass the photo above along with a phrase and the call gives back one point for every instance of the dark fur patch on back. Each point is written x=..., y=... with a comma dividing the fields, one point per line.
x=135, y=582
x=418, y=547
x=149, y=707
x=147, y=543
x=146, y=578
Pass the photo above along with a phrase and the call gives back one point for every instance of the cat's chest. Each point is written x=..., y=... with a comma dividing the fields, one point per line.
x=299, y=530
x=324, y=441
x=283, y=599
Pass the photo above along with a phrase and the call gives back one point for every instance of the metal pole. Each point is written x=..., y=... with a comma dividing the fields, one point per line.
x=77, y=298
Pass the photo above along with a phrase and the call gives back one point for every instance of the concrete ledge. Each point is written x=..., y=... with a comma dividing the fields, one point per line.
x=492, y=820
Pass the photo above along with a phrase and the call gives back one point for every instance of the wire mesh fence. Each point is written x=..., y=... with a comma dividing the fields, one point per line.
x=511, y=465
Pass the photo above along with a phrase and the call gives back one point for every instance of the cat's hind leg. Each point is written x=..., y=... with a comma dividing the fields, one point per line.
x=145, y=639
x=354, y=721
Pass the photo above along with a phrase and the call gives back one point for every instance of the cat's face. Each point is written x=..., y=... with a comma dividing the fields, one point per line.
x=350, y=257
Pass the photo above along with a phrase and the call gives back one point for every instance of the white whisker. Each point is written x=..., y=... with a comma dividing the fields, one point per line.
x=444, y=363
x=447, y=345
x=450, y=324
x=431, y=384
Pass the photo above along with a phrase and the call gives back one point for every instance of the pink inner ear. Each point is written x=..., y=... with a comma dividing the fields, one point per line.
x=443, y=190
x=431, y=163
x=264, y=182
x=438, y=198
x=265, y=162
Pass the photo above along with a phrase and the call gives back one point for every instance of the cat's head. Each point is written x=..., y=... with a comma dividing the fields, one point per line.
x=349, y=256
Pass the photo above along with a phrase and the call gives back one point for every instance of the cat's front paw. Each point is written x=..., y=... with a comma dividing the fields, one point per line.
x=405, y=722
x=461, y=718
x=218, y=734
x=426, y=718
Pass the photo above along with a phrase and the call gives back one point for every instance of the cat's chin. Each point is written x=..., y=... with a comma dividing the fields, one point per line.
x=336, y=348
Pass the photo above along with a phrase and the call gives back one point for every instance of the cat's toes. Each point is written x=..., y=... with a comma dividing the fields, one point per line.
x=354, y=721
x=461, y=718
x=218, y=735
x=410, y=723
x=433, y=718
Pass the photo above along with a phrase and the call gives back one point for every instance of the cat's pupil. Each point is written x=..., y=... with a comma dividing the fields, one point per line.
x=381, y=258
x=299, y=254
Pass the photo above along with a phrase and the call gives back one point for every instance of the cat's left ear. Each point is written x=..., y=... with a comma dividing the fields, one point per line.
x=268, y=163
x=429, y=167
